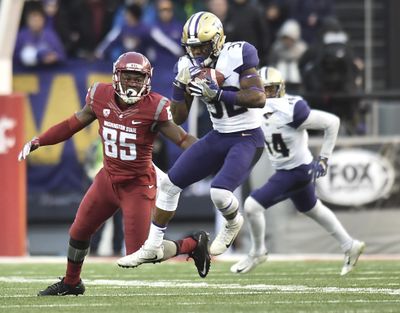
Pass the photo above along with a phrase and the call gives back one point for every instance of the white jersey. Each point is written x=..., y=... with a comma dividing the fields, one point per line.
x=235, y=57
x=287, y=145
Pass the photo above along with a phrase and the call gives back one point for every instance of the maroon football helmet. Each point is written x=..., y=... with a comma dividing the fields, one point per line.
x=132, y=77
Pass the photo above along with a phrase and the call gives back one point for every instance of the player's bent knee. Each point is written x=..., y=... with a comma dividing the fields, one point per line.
x=251, y=206
x=168, y=195
x=224, y=200
x=315, y=209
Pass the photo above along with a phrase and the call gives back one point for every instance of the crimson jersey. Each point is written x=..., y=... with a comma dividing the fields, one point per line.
x=128, y=135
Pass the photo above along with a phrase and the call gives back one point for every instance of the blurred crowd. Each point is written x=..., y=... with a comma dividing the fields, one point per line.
x=301, y=38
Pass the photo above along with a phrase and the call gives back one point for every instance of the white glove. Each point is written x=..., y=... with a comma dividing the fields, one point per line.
x=28, y=148
x=205, y=89
x=185, y=75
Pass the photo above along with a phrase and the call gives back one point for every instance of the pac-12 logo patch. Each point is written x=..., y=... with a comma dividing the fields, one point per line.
x=106, y=112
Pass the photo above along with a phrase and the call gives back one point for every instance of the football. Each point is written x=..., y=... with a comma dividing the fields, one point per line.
x=211, y=74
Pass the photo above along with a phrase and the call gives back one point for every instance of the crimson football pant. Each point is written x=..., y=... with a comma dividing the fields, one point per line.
x=104, y=198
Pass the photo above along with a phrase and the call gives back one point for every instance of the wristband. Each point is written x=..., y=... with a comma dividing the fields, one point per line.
x=178, y=94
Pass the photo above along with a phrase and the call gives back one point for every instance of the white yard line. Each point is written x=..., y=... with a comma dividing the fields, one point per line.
x=253, y=302
x=67, y=305
x=217, y=286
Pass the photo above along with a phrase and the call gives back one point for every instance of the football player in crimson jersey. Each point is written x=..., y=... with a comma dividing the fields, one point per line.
x=129, y=116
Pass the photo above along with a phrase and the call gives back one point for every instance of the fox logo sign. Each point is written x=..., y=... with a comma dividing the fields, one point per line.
x=356, y=177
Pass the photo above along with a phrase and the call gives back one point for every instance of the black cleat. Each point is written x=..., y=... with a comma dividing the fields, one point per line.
x=200, y=254
x=61, y=289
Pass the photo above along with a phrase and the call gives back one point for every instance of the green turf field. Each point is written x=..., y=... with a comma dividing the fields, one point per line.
x=276, y=286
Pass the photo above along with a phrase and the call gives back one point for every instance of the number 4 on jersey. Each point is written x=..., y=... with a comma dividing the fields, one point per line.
x=278, y=145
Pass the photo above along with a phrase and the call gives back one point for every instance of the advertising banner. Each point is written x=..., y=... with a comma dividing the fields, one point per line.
x=363, y=172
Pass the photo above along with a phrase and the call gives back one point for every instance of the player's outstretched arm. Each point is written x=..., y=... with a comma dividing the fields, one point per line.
x=327, y=122
x=176, y=134
x=59, y=132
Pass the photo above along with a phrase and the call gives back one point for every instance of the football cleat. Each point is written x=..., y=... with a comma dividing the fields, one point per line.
x=351, y=256
x=226, y=236
x=248, y=263
x=200, y=254
x=143, y=255
x=62, y=289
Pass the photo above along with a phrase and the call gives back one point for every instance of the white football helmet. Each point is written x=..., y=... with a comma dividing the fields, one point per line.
x=200, y=29
x=274, y=85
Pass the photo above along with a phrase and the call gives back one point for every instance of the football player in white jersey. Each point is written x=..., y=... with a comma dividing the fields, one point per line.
x=229, y=150
x=285, y=122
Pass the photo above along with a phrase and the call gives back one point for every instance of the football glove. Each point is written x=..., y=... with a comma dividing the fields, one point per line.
x=320, y=168
x=208, y=90
x=28, y=148
x=185, y=75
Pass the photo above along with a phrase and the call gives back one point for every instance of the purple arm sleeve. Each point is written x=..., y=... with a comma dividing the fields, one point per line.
x=178, y=88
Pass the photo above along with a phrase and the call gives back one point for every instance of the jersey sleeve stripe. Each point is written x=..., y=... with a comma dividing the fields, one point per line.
x=92, y=92
x=160, y=106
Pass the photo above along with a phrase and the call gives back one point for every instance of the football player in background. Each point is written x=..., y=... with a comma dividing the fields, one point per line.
x=129, y=117
x=286, y=119
x=229, y=150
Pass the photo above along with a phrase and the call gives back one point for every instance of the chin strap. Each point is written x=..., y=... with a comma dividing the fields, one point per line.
x=130, y=96
x=130, y=100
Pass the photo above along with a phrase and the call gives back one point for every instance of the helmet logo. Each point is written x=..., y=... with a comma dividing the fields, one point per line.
x=133, y=66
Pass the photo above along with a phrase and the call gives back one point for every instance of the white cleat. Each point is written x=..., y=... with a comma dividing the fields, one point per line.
x=248, y=263
x=226, y=236
x=351, y=256
x=143, y=255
